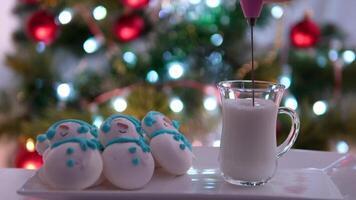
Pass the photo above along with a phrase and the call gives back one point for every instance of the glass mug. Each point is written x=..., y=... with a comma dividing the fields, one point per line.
x=248, y=150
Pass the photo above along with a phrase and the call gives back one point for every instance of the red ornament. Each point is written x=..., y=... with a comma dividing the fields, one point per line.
x=28, y=158
x=135, y=4
x=305, y=34
x=41, y=26
x=129, y=27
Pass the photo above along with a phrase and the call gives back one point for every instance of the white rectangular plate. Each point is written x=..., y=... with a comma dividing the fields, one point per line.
x=294, y=180
x=203, y=184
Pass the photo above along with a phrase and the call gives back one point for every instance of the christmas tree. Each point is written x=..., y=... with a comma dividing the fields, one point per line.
x=89, y=59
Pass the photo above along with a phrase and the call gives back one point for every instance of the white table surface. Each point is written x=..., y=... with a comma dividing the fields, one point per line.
x=12, y=179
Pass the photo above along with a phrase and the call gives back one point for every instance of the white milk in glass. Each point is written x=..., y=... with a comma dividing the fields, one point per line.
x=248, y=141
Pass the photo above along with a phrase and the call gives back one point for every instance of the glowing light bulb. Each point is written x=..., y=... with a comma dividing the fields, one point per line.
x=348, y=56
x=175, y=70
x=320, y=107
x=119, y=104
x=285, y=80
x=277, y=11
x=291, y=103
x=216, y=39
x=64, y=91
x=212, y=3
x=152, y=76
x=333, y=55
x=30, y=145
x=99, y=12
x=210, y=103
x=97, y=121
x=31, y=165
x=176, y=105
x=91, y=45
x=129, y=57
x=342, y=147
x=65, y=16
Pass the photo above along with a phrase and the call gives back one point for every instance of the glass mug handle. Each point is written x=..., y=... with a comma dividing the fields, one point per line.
x=294, y=131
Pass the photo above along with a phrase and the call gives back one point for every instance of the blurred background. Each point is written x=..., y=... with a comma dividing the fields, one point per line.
x=88, y=59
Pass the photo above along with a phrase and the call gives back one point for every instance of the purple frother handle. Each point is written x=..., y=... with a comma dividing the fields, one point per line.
x=251, y=8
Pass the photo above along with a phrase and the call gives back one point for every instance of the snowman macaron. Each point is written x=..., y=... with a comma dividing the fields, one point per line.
x=169, y=147
x=73, y=158
x=128, y=162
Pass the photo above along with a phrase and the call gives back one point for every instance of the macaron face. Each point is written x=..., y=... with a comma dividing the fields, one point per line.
x=154, y=121
x=70, y=128
x=118, y=127
x=66, y=130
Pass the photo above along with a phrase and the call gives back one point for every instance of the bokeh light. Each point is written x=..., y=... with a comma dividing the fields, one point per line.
x=175, y=70
x=176, y=105
x=90, y=45
x=65, y=16
x=99, y=12
x=320, y=107
x=64, y=91
x=152, y=76
x=119, y=104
